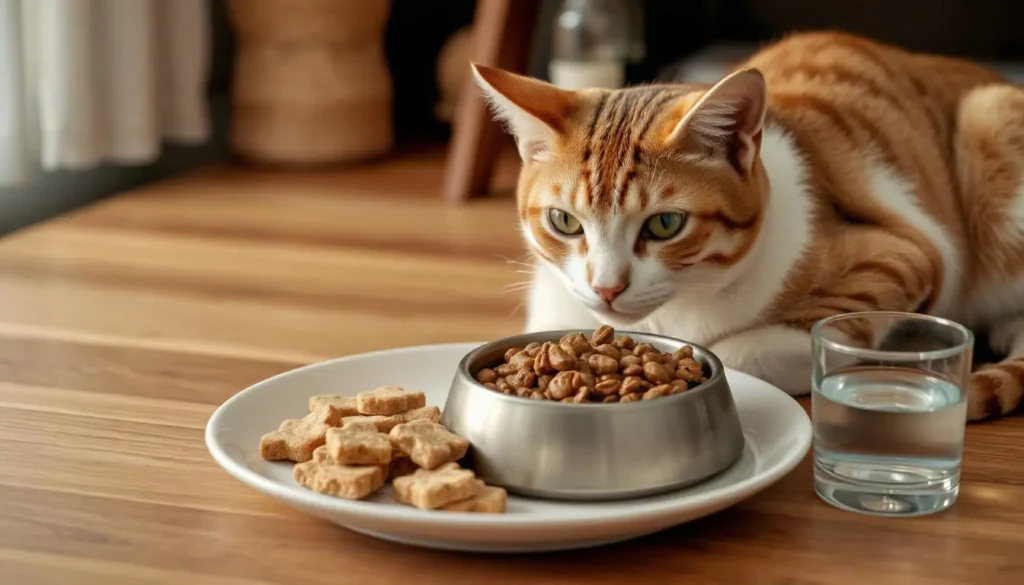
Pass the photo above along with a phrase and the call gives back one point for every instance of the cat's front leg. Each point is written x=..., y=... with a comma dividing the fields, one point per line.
x=549, y=306
x=777, y=354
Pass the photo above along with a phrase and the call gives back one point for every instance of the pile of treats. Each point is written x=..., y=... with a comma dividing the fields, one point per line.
x=350, y=447
x=599, y=369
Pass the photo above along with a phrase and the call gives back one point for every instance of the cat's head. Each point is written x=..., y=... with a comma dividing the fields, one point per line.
x=637, y=194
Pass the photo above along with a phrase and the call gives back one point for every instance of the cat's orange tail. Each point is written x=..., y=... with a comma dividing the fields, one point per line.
x=996, y=389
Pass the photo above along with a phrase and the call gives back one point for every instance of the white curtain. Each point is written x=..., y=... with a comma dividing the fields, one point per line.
x=88, y=82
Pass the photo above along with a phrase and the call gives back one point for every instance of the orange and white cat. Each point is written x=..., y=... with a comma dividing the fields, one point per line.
x=828, y=174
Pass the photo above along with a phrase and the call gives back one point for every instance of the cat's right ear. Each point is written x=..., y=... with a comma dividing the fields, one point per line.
x=535, y=112
x=727, y=121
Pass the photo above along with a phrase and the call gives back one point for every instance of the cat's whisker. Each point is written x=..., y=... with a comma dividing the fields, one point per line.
x=514, y=261
x=516, y=285
x=510, y=259
x=647, y=297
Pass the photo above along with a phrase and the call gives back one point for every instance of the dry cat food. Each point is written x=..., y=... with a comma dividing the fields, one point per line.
x=602, y=368
x=350, y=447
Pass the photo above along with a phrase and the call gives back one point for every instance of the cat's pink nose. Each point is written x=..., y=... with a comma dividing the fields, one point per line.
x=610, y=293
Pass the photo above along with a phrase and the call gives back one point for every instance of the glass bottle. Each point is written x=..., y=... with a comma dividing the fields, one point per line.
x=592, y=42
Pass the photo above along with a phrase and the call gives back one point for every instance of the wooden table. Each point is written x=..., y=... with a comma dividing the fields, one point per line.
x=124, y=325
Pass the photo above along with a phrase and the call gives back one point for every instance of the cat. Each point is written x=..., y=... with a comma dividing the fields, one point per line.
x=828, y=174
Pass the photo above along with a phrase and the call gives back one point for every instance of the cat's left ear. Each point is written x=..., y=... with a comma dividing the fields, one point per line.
x=535, y=112
x=727, y=121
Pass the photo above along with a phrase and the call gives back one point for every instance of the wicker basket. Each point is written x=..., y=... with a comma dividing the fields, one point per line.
x=311, y=85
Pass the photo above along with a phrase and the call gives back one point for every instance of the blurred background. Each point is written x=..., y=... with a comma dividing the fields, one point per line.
x=100, y=96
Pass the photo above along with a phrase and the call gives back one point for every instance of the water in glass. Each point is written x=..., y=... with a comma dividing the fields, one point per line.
x=888, y=440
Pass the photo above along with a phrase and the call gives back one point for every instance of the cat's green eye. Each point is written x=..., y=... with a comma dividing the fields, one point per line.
x=565, y=223
x=664, y=226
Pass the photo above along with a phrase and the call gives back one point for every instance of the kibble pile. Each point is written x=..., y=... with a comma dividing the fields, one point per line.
x=602, y=368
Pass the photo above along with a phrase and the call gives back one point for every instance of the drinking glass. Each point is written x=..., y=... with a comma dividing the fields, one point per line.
x=889, y=409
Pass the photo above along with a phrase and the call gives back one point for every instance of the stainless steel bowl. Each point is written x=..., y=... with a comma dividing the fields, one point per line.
x=594, y=451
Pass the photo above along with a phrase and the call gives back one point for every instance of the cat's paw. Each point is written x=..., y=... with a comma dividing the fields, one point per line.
x=776, y=354
x=996, y=389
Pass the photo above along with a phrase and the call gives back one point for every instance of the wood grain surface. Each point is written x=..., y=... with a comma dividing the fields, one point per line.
x=123, y=326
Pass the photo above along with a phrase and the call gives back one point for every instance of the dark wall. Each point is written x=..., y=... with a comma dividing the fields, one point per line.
x=416, y=32
x=985, y=29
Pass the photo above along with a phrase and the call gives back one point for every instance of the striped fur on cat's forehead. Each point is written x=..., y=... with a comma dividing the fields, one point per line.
x=621, y=139
x=617, y=143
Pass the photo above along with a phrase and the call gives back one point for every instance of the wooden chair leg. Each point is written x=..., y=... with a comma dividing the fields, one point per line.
x=503, y=33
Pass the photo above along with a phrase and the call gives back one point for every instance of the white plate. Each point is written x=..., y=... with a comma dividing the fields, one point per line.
x=776, y=428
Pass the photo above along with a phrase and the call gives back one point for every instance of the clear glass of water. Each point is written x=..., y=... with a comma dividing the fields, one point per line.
x=889, y=408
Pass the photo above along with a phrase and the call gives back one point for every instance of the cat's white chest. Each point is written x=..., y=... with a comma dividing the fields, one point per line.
x=699, y=319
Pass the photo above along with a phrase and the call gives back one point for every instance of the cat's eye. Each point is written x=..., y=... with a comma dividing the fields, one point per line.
x=565, y=223
x=664, y=226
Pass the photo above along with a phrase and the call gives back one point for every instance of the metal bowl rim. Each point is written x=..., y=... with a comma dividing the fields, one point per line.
x=715, y=382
